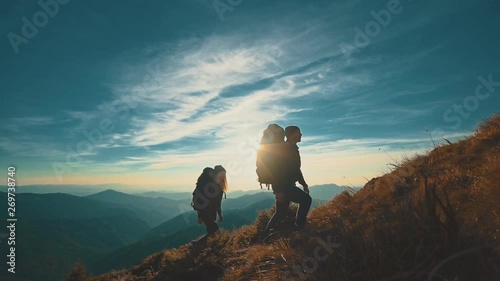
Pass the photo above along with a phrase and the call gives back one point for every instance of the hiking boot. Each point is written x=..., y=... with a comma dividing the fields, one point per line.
x=199, y=241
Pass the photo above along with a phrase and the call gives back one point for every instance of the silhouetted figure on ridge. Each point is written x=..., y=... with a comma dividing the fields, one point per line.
x=287, y=173
x=207, y=198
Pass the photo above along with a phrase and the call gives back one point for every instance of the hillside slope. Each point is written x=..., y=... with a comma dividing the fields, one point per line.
x=434, y=217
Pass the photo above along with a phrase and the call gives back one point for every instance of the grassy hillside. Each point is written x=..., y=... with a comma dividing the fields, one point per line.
x=434, y=217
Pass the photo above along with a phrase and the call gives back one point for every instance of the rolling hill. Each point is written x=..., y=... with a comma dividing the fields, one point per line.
x=60, y=205
x=166, y=194
x=152, y=210
x=55, y=230
x=72, y=189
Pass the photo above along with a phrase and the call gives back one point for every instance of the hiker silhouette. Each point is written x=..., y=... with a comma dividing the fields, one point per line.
x=287, y=174
x=207, y=198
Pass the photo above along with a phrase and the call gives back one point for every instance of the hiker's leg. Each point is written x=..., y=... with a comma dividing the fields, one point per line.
x=281, y=209
x=212, y=226
x=209, y=220
x=304, y=200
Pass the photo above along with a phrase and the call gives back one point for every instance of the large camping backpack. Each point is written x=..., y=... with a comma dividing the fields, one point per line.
x=205, y=180
x=268, y=155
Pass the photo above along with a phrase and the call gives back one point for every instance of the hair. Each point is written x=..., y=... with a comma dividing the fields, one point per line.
x=218, y=169
x=225, y=186
x=290, y=130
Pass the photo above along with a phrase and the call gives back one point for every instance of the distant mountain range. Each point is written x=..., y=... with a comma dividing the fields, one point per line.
x=54, y=230
x=152, y=210
x=165, y=194
x=73, y=189
x=188, y=195
x=84, y=190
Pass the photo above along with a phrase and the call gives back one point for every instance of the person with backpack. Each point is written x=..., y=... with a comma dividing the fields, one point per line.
x=207, y=198
x=287, y=172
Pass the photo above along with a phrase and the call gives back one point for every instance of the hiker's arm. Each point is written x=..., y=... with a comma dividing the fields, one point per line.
x=219, y=212
x=301, y=179
x=300, y=176
x=219, y=208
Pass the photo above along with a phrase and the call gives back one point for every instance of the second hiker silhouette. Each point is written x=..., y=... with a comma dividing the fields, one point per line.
x=207, y=198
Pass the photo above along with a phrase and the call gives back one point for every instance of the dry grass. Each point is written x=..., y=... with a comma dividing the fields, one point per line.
x=434, y=217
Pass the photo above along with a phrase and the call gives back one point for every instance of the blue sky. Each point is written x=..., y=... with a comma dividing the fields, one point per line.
x=151, y=92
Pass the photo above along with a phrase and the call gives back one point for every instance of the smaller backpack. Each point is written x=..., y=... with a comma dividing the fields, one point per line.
x=199, y=200
x=268, y=154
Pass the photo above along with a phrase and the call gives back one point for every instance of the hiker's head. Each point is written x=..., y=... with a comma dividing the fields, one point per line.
x=293, y=134
x=273, y=134
x=220, y=177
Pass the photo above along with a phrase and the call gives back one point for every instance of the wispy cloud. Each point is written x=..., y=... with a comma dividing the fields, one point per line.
x=17, y=124
x=213, y=87
x=31, y=147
